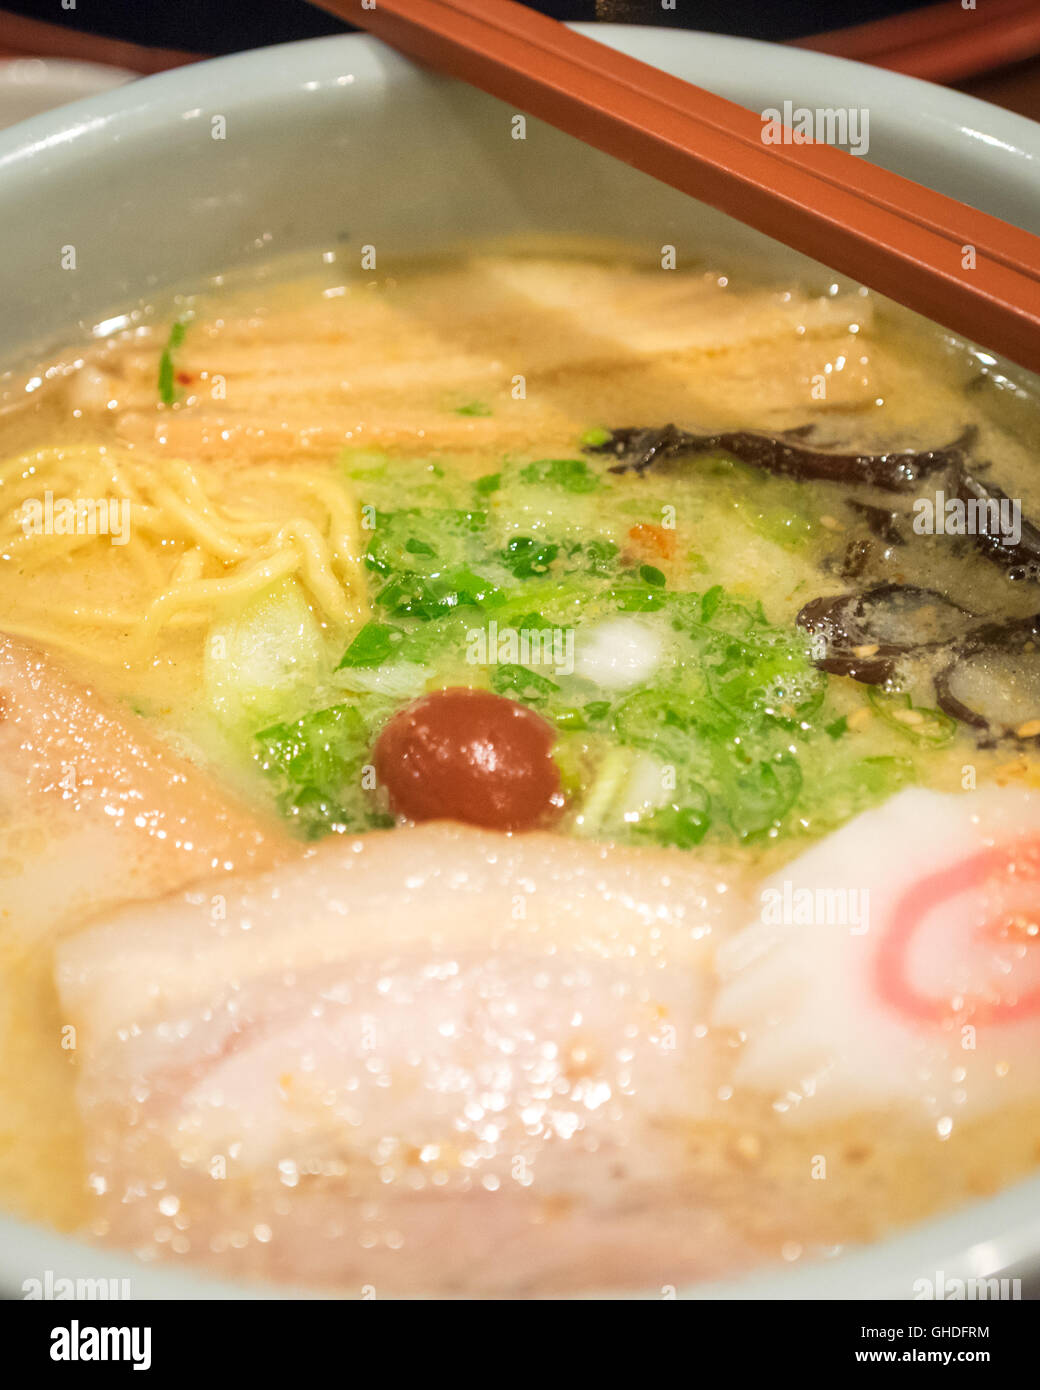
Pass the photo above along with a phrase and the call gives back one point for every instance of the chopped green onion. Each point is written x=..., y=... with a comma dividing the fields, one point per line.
x=596, y=437
x=522, y=684
x=574, y=475
x=526, y=558
x=167, y=389
x=373, y=645
x=920, y=724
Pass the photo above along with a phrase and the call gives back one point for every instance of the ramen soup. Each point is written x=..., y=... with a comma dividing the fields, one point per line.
x=516, y=776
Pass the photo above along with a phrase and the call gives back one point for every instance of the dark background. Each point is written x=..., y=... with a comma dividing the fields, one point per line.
x=222, y=26
x=150, y=35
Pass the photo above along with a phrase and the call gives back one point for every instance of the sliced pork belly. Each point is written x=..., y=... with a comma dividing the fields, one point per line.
x=897, y=963
x=424, y=1057
x=93, y=809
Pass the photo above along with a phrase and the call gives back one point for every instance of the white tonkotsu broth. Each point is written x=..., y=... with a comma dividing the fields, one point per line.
x=289, y=561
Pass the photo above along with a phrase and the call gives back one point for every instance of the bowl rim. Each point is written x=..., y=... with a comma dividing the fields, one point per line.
x=976, y=1240
x=978, y=124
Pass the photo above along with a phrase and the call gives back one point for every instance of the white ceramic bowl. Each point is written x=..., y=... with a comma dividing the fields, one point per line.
x=339, y=140
x=31, y=85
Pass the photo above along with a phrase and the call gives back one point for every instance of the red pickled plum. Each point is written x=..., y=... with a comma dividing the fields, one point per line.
x=470, y=755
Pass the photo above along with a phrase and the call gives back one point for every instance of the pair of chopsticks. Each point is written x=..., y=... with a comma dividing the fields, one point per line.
x=964, y=269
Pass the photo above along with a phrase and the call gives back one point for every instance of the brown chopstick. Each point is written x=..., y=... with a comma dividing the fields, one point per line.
x=898, y=237
x=943, y=43
x=34, y=38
